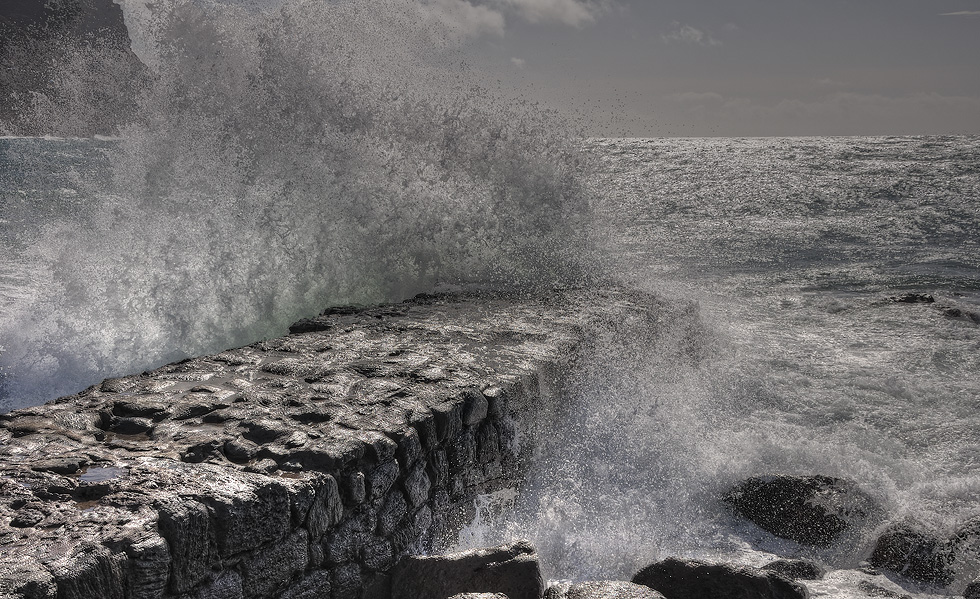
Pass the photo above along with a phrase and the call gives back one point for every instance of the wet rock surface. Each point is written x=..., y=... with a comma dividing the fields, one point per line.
x=909, y=549
x=605, y=589
x=301, y=466
x=813, y=510
x=512, y=570
x=691, y=579
x=796, y=569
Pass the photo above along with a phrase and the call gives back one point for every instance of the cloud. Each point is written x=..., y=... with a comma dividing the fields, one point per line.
x=462, y=18
x=685, y=34
x=962, y=13
x=575, y=13
x=473, y=18
x=518, y=62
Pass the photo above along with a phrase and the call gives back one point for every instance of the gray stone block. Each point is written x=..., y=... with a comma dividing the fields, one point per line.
x=90, y=571
x=270, y=568
x=475, y=407
x=225, y=585
x=186, y=526
x=392, y=513
x=23, y=577
x=316, y=585
x=148, y=568
x=381, y=479
x=346, y=582
x=417, y=486
x=327, y=509
x=246, y=519
x=509, y=569
x=354, y=489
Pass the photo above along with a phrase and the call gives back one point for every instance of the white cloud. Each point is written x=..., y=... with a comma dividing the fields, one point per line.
x=685, y=34
x=575, y=13
x=463, y=18
x=518, y=62
x=962, y=13
x=473, y=18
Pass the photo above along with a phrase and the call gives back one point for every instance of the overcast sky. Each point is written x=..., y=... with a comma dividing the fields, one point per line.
x=736, y=67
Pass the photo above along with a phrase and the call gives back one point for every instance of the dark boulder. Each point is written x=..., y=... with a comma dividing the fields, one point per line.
x=509, y=569
x=796, y=569
x=873, y=590
x=691, y=579
x=972, y=590
x=912, y=298
x=908, y=549
x=604, y=589
x=812, y=510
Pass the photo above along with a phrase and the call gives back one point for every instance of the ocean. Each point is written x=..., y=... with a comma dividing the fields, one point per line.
x=787, y=252
x=314, y=161
x=794, y=356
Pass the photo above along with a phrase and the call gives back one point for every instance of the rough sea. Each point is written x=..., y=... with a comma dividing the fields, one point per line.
x=331, y=153
x=788, y=253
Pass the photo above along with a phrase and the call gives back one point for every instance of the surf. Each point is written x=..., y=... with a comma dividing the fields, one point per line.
x=282, y=159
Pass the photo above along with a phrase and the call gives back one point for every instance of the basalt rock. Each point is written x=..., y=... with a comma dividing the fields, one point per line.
x=509, y=569
x=873, y=590
x=912, y=298
x=605, y=589
x=796, y=569
x=297, y=467
x=692, y=579
x=812, y=510
x=907, y=548
x=972, y=590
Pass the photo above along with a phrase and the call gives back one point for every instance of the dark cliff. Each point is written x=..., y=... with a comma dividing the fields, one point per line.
x=66, y=68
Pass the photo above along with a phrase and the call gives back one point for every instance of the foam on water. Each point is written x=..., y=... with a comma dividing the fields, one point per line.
x=286, y=158
x=791, y=360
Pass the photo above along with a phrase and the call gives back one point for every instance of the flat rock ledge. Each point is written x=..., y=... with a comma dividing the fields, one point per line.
x=299, y=467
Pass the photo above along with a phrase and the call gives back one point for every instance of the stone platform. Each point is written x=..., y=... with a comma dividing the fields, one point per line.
x=297, y=467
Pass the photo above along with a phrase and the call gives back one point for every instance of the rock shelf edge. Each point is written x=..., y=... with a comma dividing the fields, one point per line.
x=297, y=467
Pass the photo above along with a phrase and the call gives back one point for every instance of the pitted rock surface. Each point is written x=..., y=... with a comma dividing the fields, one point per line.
x=296, y=466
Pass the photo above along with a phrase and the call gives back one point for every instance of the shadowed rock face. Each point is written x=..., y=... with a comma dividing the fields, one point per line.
x=512, y=570
x=309, y=462
x=37, y=38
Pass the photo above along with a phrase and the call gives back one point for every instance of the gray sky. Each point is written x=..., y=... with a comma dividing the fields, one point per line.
x=735, y=67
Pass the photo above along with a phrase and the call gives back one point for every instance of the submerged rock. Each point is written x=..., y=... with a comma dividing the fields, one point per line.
x=692, y=579
x=960, y=314
x=812, y=510
x=912, y=298
x=603, y=589
x=509, y=569
x=797, y=569
x=908, y=549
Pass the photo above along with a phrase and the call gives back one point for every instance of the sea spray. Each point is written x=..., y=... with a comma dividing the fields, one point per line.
x=282, y=160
